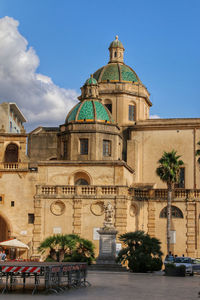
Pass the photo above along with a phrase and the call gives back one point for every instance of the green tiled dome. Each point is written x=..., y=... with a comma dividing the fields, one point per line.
x=91, y=81
x=116, y=72
x=89, y=111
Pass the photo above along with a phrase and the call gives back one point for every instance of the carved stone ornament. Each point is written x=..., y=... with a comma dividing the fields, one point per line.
x=133, y=210
x=57, y=208
x=97, y=208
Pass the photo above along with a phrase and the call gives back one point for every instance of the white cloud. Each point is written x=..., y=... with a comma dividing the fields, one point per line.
x=41, y=101
x=154, y=117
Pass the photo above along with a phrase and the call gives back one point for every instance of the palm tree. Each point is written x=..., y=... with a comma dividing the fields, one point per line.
x=168, y=171
x=59, y=245
x=68, y=247
x=141, y=252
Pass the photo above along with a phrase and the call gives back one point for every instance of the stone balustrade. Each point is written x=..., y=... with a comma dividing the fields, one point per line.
x=68, y=190
x=145, y=194
x=13, y=166
x=93, y=190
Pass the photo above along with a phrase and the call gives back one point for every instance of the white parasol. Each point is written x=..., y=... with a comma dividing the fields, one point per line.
x=14, y=244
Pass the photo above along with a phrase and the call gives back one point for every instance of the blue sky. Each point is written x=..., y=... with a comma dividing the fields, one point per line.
x=70, y=40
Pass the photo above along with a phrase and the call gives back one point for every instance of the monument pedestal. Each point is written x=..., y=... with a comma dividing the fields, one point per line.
x=107, y=245
x=107, y=252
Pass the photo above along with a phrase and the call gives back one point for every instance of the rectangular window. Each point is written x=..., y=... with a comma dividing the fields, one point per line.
x=106, y=148
x=181, y=182
x=131, y=112
x=31, y=218
x=1, y=199
x=12, y=203
x=83, y=146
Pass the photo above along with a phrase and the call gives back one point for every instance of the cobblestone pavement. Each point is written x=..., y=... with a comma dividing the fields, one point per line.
x=127, y=286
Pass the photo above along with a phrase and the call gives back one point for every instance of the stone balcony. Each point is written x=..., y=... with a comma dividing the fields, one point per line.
x=13, y=166
x=161, y=194
x=70, y=191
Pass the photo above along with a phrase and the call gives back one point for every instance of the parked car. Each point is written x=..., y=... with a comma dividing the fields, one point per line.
x=185, y=261
x=169, y=259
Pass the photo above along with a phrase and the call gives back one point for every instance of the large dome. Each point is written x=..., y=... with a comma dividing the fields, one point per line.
x=89, y=111
x=116, y=72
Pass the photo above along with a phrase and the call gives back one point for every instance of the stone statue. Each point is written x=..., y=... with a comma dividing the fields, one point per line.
x=108, y=215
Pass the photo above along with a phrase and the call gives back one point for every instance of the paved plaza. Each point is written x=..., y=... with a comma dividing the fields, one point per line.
x=110, y=286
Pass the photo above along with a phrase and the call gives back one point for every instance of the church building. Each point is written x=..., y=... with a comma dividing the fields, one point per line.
x=106, y=150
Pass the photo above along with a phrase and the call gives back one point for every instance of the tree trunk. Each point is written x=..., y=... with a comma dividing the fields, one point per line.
x=169, y=204
x=53, y=254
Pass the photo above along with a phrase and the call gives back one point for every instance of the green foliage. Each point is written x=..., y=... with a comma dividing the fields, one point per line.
x=84, y=252
x=141, y=252
x=169, y=167
x=69, y=247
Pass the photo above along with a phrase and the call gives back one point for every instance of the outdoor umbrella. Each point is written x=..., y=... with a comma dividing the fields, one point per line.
x=14, y=243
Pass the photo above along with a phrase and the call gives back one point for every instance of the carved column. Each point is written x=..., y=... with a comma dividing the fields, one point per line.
x=151, y=218
x=37, y=226
x=191, y=228
x=121, y=215
x=77, y=216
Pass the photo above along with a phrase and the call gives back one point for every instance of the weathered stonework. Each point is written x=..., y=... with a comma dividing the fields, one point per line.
x=72, y=171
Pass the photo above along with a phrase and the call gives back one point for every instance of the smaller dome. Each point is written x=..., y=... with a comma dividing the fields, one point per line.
x=89, y=111
x=91, y=81
x=116, y=43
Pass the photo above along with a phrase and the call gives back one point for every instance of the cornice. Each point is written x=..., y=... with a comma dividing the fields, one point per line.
x=85, y=163
x=118, y=92
x=166, y=124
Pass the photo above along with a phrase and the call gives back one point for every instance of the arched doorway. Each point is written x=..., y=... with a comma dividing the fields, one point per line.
x=4, y=230
x=11, y=153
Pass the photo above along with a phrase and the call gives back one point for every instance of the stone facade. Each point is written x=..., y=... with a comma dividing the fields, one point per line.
x=106, y=151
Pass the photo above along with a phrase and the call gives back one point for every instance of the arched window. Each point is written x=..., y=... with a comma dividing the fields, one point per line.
x=175, y=211
x=81, y=178
x=108, y=104
x=81, y=181
x=131, y=112
x=115, y=54
x=11, y=153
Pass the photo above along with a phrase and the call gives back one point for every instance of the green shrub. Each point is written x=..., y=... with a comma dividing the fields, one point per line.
x=68, y=248
x=141, y=252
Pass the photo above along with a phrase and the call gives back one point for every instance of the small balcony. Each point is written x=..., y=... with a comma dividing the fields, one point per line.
x=13, y=166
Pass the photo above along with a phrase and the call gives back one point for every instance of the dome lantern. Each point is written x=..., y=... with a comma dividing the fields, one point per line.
x=90, y=89
x=116, y=51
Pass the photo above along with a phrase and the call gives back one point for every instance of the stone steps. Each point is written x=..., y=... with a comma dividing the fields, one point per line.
x=107, y=267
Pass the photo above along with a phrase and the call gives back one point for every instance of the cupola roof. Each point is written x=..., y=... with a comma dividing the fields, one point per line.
x=91, y=81
x=89, y=111
x=116, y=72
x=116, y=43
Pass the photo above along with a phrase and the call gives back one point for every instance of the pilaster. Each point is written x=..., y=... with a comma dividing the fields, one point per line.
x=191, y=228
x=121, y=215
x=151, y=218
x=37, y=226
x=77, y=216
